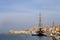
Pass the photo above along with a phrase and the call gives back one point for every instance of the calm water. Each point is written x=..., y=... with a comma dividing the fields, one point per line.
x=22, y=37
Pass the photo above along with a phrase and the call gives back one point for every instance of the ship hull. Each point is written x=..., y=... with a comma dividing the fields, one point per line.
x=38, y=34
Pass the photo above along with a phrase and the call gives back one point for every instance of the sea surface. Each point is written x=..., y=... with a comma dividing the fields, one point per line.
x=22, y=37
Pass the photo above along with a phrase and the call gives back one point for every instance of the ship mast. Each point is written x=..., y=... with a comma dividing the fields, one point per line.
x=40, y=24
x=53, y=24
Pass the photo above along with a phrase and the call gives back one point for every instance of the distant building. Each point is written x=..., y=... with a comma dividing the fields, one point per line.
x=19, y=31
x=58, y=29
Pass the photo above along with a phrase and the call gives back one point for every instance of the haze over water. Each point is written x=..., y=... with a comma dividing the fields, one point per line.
x=24, y=14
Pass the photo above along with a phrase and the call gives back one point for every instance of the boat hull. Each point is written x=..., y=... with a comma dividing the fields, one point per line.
x=38, y=34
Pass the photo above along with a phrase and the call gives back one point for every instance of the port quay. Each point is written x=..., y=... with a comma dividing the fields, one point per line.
x=52, y=31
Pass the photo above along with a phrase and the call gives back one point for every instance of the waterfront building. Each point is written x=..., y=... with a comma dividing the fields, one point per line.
x=58, y=29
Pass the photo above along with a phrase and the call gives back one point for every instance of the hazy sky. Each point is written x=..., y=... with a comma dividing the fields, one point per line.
x=23, y=14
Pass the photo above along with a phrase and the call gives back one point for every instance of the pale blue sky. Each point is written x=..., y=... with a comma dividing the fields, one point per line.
x=23, y=14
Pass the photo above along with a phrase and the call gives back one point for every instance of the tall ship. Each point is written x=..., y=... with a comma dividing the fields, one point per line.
x=39, y=31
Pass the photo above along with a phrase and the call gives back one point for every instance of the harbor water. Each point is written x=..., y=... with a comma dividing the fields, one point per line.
x=22, y=37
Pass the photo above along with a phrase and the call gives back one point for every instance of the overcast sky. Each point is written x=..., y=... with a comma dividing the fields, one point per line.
x=23, y=14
